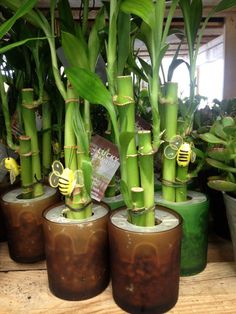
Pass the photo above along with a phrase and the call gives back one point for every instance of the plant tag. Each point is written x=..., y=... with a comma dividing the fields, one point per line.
x=105, y=162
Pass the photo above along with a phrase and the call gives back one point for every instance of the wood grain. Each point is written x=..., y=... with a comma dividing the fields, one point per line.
x=24, y=288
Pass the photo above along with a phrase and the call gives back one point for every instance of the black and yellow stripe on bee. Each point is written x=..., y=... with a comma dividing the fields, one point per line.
x=184, y=155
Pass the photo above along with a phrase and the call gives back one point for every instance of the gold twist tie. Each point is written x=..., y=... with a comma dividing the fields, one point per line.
x=128, y=100
x=71, y=100
x=26, y=154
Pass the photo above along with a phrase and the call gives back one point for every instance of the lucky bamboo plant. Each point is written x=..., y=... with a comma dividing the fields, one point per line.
x=74, y=179
x=179, y=149
x=28, y=146
x=137, y=179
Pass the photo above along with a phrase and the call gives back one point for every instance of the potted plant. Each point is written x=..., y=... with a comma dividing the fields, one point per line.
x=179, y=150
x=221, y=156
x=144, y=240
x=23, y=206
x=77, y=229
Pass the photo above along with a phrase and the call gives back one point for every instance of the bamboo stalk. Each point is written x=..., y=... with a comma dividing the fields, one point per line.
x=146, y=164
x=136, y=216
x=181, y=192
x=137, y=195
x=26, y=167
x=127, y=122
x=6, y=114
x=28, y=114
x=170, y=125
x=47, y=135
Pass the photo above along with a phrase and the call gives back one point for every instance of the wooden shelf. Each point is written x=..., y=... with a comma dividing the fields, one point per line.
x=24, y=288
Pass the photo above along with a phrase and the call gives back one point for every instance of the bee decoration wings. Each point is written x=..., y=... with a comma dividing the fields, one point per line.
x=64, y=178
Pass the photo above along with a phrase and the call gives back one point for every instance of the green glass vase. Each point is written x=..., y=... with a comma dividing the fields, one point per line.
x=195, y=231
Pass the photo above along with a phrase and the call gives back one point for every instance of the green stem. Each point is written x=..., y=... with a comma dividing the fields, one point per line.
x=111, y=188
x=6, y=115
x=182, y=176
x=26, y=167
x=112, y=46
x=28, y=115
x=85, y=16
x=146, y=165
x=47, y=136
x=127, y=122
x=170, y=104
x=137, y=195
x=87, y=119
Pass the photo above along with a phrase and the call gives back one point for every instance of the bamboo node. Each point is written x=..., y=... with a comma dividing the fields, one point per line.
x=25, y=154
x=174, y=184
x=147, y=154
x=80, y=208
x=131, y=155
x=71, y=146
x=71, y=100
x=35, y=153
x=122, y=100
x=29, y=106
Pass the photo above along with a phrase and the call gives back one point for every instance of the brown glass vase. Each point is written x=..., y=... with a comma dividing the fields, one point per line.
x=5, y=186
x=76, y=253
x=23, y=218
x=145, y=262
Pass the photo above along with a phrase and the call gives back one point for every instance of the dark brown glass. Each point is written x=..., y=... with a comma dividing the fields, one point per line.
x=145, y=268
x=24, y=228
x=77, y=258
x=4, y=187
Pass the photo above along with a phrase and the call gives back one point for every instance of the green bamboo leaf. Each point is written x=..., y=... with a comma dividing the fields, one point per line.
x=24, y=8
x=163, y=51
x=79, y=130
x=89, y=86
x=19, y=43
x=173, y=66
x=195, y=17
x=210, y=138
x=132, y=66
x=94, y=39
x=67, y=23
x=221, y=185
x=185, y=8
x=224, y=5
x=83, y=143
x=87, y=171
x=74, y=51
x=220, y=165
x=123, y=41
x=146, y=67
x=142, y=8
x=126, y=194
x=219, y=153
x=145, y=36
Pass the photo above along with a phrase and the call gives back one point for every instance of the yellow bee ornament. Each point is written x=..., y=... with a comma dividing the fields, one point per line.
x=11, y=165
x=64, y=178
x=184, y=155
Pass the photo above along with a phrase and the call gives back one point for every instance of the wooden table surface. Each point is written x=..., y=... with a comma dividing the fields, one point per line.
x=24, y=288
